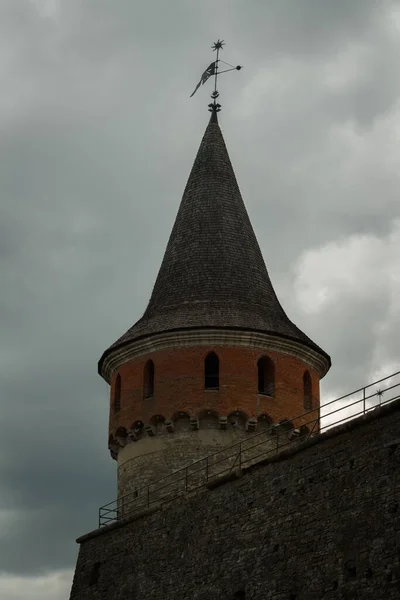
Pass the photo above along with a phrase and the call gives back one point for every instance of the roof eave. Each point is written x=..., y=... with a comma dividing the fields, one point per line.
x=104, y=372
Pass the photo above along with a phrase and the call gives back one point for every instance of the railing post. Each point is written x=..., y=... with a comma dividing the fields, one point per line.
x=364, y=401
x=186, y=479
x=148, y=495
x=240, y=455
x=207, y=467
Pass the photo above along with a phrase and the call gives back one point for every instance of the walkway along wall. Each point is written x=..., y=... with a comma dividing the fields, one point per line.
x=319, y=521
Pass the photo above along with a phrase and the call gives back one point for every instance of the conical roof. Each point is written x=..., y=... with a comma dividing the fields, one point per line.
x=213, y=274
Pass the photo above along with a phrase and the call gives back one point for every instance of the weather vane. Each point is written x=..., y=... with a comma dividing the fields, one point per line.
x=213, y=70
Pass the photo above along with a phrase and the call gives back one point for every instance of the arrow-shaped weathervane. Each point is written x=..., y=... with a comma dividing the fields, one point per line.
x=213, y=70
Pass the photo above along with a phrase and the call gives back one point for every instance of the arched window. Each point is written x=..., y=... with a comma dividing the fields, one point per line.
x=95, y=573
x=117, y=394
x=266, y=376
x=211, y=372
x=307, y=391
x=148, y=386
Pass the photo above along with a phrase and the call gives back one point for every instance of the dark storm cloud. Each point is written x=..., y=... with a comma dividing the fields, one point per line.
x=303, y=29
x=98, y=135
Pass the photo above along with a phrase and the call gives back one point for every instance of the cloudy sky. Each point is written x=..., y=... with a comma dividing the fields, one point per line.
x=97, y=137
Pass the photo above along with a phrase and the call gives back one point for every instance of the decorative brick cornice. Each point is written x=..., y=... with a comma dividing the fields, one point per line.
x=238, y=421
x=213, y=337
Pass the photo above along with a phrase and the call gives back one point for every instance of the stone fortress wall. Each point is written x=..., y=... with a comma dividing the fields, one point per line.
x=321, y=520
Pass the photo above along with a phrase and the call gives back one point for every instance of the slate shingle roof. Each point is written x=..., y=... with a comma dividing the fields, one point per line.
x=213, y=273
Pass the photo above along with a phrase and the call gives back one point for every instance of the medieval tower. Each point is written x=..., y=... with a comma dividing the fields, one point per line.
x=214, y=357
x=213, y=364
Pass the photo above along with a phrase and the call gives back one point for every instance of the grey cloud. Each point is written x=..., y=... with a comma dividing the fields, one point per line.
x=302, y=29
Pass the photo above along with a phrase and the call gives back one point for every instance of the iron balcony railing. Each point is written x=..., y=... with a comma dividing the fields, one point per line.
x=253, y=449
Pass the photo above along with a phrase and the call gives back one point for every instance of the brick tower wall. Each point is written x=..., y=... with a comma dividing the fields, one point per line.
x=179, y=394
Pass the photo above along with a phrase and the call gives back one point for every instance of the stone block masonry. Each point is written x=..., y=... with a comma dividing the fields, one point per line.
x=321, y=521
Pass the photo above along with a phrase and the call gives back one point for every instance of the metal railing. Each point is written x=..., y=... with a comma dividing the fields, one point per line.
x=249, y=451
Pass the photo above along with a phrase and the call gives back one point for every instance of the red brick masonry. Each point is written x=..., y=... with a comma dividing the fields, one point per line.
x=179, y=385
